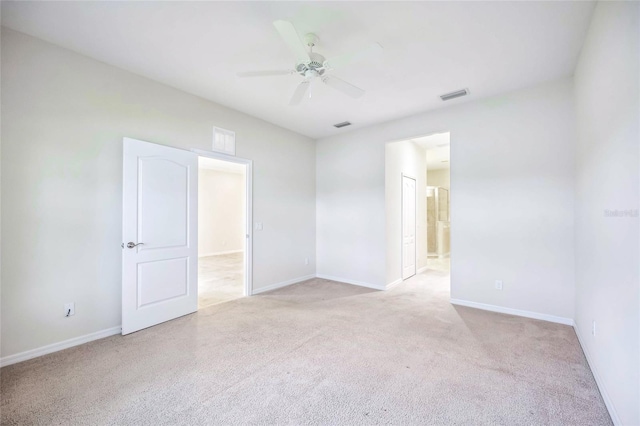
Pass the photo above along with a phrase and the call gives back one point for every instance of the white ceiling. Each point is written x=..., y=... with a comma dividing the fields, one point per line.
x=436, y=140
x=437, y=149
x=430, y=48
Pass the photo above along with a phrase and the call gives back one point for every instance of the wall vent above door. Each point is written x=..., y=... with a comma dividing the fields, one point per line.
x=224, y=141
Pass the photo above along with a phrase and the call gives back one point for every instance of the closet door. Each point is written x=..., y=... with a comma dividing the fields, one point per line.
x=408, y=227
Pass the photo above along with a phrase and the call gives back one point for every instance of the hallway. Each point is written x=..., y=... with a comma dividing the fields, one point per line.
x=220, y=279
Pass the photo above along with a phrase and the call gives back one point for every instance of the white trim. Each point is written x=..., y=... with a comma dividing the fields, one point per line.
x=352, y=282
x=393, y=284
x=220, y=253
x=55, y=347
x=283, y=284
x=511, y=311
x=414, y=178
x=248, y=247
x=415, y=225
x=603, y=390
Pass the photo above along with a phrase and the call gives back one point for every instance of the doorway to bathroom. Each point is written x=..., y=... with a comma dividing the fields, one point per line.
x=438, y=195
x=418, y=201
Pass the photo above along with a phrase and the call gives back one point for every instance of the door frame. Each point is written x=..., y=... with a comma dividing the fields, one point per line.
x=248, y=246
x=415, y=225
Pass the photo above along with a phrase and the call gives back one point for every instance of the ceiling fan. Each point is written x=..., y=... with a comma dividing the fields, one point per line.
x=311, y=65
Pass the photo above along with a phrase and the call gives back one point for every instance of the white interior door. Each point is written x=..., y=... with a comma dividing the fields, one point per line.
x=408, y=227
x=159, y=234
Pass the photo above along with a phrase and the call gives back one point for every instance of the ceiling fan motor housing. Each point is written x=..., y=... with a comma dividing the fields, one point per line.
x=311, y=65
x=316, y=65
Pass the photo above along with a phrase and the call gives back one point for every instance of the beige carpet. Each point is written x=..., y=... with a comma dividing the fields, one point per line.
x=319, y=352
x=220, y=279
x=439, y=263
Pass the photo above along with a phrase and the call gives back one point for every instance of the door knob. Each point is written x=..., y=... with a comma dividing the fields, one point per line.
x=131, y=245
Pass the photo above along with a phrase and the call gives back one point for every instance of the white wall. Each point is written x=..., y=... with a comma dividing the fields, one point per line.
x=221, y=212
x=607, y=255
x=512, y=164
x=64, y=116
x=439, y=178
x=350, y=222
x=407, y=158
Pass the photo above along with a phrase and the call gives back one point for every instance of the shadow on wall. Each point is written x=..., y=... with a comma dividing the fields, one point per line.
x=510, y=345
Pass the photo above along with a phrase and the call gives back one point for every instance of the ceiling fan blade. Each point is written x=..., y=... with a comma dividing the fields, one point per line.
x=264, y=73
x=301, y=90
x=292, y=39
x=342, y=60
x=341, y=85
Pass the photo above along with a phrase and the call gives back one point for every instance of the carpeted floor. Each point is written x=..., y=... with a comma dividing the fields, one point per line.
x=318, y=352
x=220, y=278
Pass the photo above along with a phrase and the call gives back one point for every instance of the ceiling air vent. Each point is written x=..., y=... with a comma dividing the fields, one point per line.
x=343, y=124
x=453, y=95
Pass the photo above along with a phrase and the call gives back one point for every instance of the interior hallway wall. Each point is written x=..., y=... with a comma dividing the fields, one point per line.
x=607, y=88
x=512, y=192
x=221, y=212
x=64, y=116
x=407, y=158
x=439, y=178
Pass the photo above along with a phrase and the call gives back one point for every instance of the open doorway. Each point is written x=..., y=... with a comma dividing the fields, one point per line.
x=438, y=202
x=222, y=232
x=417, y=206
x=160, y=224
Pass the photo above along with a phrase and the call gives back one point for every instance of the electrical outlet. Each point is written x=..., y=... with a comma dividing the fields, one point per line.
x=306, y=260
x=498, y=285
x=69, y=309
x=593, y=328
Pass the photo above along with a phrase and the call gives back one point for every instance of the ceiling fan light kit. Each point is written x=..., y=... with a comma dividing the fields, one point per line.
x=311, y=65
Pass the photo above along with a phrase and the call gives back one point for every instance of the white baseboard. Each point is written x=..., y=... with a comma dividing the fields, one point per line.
x=218, y=253
x=352, y=282
x=399, y=280
x=603, y=390
x=55, y=347
x=282, y=284
x=393, y=284
x=510, y=311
